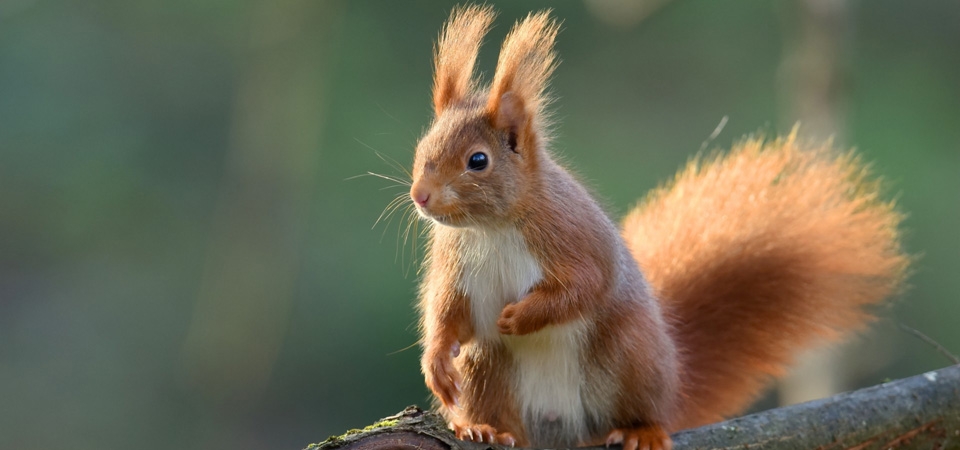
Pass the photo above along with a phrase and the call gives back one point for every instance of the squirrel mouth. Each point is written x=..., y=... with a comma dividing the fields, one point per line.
x=443, y=219
x=440, y=218
x=450, y=215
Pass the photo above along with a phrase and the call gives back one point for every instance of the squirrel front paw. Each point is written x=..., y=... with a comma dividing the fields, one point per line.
x=482, y=434
x=515, y=319
x=648, y=437
x=441, y=376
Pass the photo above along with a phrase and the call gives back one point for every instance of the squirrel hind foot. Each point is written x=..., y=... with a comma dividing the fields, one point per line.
x=647, y=437
x=482, y=433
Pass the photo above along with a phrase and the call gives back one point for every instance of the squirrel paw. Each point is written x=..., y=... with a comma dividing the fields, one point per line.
x=649, y=437
x=440, y=374
x=514, y=321
x=482, y=434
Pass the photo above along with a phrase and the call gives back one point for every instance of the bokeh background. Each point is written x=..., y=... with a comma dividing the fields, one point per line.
x=186, y=262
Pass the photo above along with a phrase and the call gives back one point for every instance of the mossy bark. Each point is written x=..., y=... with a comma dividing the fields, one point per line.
x=921, y=412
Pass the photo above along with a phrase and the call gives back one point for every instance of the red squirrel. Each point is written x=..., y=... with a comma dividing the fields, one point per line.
x=546, y=324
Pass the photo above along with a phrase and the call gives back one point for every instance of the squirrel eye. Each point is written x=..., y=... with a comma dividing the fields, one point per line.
x=478, y=161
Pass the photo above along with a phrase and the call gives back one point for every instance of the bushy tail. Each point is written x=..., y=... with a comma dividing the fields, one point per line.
x=758, y=254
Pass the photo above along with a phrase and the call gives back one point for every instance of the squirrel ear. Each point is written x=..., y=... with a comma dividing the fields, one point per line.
x=511, y=116
x=518, y=92
x=456, y=53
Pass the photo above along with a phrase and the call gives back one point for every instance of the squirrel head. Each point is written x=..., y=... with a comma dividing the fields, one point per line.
x=479, y=160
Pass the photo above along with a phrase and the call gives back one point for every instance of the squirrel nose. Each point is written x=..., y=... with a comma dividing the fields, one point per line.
x=421, y=199
x=420, y=196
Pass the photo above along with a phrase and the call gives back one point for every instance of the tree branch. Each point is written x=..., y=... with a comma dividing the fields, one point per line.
x=921, y=412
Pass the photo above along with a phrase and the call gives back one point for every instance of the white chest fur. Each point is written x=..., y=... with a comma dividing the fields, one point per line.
x=498, y=270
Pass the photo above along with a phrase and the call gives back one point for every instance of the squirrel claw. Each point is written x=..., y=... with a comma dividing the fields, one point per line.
x=482, y=434
x=648, y=437
x=615, y=437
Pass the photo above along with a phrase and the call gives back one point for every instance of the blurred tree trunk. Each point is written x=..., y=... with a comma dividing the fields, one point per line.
x=258, y=227
x=813, y=92
x=814, y=73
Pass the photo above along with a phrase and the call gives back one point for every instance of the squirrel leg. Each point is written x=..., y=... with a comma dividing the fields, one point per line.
x=482, y=434
x=646, y=437
x=440, y=375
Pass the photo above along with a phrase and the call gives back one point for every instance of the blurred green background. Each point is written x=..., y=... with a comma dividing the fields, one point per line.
x=185, y=264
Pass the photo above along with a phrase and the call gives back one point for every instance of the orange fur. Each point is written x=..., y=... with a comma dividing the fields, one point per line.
x=456, y=53
x=758, y=254
x=539, y=326
x=526, y=61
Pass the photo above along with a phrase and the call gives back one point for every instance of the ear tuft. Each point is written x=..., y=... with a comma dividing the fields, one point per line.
x=456, y=53
x=518, y=92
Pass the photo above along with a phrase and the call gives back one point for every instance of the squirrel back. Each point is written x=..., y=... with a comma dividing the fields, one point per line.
x=758, y=254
